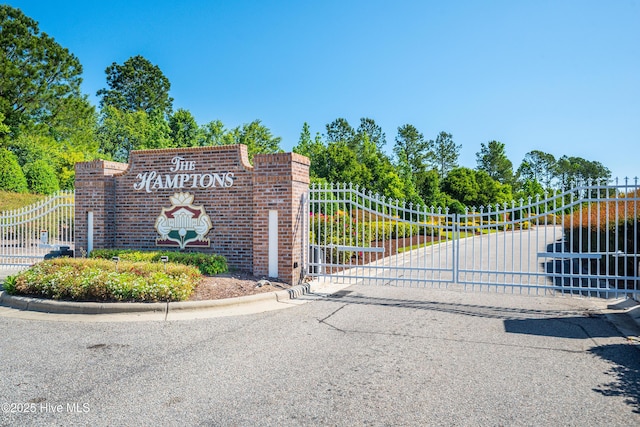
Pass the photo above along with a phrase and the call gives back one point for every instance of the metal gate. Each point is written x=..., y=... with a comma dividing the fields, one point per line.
x=583, y=241
x=28, y=234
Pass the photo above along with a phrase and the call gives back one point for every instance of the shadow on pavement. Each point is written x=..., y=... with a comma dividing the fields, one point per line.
x=575, y=324
x=576, y=327
x=492, y=312
x=625, y=372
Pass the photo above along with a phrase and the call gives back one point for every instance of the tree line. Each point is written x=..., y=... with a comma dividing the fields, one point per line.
x=426, y=171
x=47, y=125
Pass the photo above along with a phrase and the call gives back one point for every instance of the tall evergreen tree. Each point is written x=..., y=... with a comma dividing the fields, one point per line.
x=538, y=166
x=340, y=130
x=576, y=171
x=445, y=154
x=492, y=159
x=314, y=149
x=411, y=148
x=374, y=132
x=137, y=85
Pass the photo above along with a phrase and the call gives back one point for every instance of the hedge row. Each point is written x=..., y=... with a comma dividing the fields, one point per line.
x=82, y=279
x=324, y=230
x=610, y=226
x=206, y=263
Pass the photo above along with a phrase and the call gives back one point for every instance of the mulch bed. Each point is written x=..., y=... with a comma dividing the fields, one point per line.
x=232, y=285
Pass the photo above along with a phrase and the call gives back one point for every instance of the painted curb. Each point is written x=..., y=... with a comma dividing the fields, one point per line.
x=72, y=307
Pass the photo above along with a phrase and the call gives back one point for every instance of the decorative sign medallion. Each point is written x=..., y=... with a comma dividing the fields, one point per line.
x=183, y=225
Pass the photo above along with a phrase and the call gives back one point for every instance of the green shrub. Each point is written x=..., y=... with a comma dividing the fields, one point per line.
x=9, y=284
x=341, y=230
x=349, y=233
x=456, y=207
x=125, y=254
x=41, y=178
x=102, y=280
x=11, y=175
x=206, y=263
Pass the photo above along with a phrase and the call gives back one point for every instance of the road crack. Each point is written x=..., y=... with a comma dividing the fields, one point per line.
x=324, y=319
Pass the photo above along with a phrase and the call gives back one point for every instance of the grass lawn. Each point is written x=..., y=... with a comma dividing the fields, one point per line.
x=10, y=201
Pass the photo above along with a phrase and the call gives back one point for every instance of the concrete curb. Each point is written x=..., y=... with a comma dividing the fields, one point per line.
x=71, y=307
x=625, y=315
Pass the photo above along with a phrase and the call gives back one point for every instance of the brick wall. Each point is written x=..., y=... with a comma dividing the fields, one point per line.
x=125, y=214
x=280, y=183
x=95, y=189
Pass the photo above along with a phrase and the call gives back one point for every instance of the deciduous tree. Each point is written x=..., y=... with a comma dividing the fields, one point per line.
x=41, y=177
x=475, y=188
x=257, y=137
x=460, y=183
x=4, y=129
x=490, y=190
x=214, y=133
x=123, y=131
x=342, y=166
x=184, y=130
x=37, y=75
x=429, y=188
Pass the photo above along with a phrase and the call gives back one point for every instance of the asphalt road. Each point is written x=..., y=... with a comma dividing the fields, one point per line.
x=370, y=355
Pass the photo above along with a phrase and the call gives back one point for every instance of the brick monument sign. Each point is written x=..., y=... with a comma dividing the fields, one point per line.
x=204, y=199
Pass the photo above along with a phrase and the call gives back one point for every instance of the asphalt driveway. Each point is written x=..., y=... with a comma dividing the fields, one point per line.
x=369, y=355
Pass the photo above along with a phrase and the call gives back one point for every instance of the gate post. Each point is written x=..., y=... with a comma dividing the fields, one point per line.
x=280, y=182
x=455, y=235
x=95, y=192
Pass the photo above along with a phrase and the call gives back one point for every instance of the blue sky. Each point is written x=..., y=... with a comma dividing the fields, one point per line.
x=560, y=76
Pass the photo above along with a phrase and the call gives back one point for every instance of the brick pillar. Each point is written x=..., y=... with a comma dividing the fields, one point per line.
x=280, y=181
x=95, y=192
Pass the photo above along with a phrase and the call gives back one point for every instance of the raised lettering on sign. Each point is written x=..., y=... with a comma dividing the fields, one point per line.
x=152, y=181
